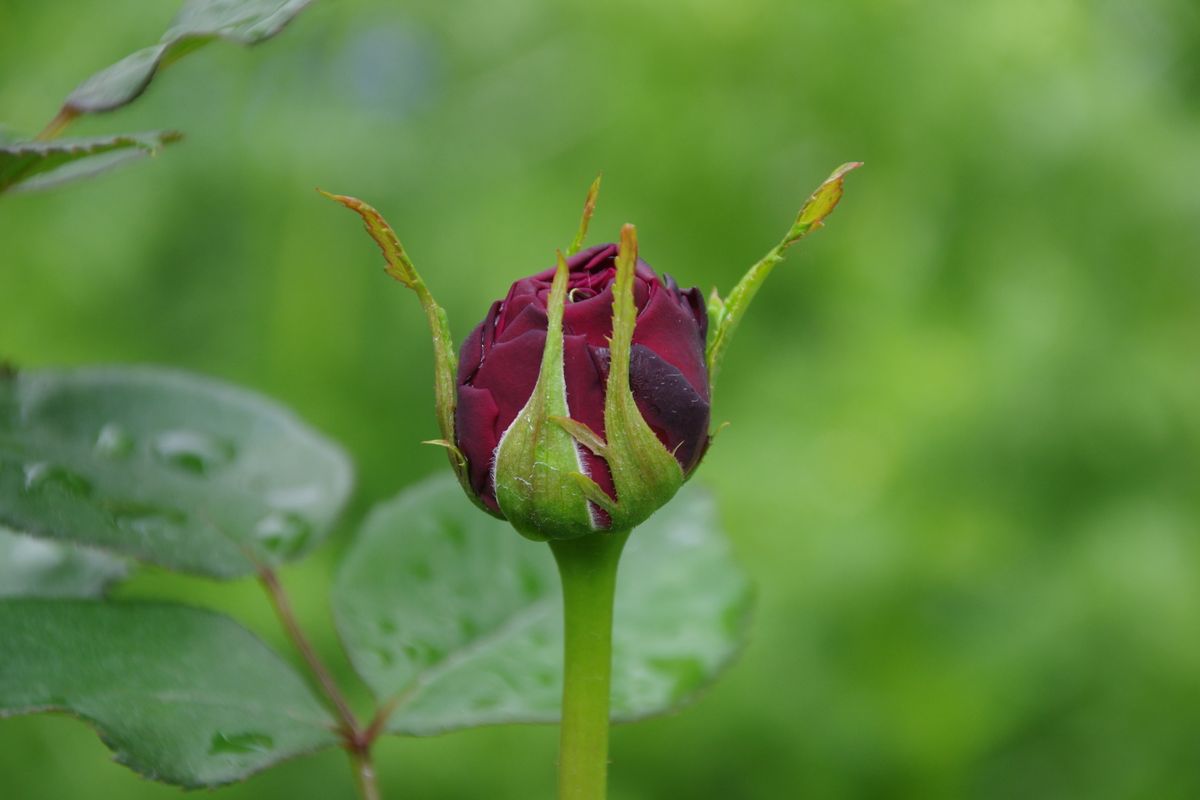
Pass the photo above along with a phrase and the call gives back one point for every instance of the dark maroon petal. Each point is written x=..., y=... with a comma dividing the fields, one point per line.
x=475, y=430
x=470, y=355
x=591, y=318
x=668, y=327
x=532, y=317
x=589, y=313
x=510, y=372
x=676, y=412
x=694, y=299
x=501, y=358
x=644, y=273
x=585, y=399
x=591, y=259
x=476, y=345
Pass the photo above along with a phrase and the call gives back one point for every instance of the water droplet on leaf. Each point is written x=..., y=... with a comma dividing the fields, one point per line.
x=147, y=519
x=28, y=555
x=282, y=532
x=42, y=475
x=114, y=441
x=191, y=451
x=294, y=498
x=248, y=742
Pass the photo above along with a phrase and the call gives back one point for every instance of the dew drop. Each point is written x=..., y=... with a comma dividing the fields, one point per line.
x=422, y=653
x=41, y=475
x=197, y=453
x=294, y=498
x=28, y=555
x=485, y=701
x=147, y=519
x=283, y=532
x=248, y=742
x=113, y=441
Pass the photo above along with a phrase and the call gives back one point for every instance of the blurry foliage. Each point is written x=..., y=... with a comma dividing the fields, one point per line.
x=41, y=164
x=966, y=428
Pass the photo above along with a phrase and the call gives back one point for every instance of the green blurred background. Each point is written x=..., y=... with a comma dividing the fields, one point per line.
x=965, y=448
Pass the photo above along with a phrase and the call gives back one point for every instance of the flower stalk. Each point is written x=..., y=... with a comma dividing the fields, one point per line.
x=588, y=568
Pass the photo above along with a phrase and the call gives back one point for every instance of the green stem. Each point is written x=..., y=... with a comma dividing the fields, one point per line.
x=364, y=773
x=588, y=567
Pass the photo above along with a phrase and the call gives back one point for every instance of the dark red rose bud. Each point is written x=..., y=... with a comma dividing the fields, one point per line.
x=501, y=360
x=581, y=402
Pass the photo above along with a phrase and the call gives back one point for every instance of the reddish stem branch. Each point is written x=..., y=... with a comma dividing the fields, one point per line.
x=283, y=608
x=355, y=740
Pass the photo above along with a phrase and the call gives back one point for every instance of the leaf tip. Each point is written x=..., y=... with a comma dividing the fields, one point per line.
x=346, y=200
x=841, y=171
x=821, y=203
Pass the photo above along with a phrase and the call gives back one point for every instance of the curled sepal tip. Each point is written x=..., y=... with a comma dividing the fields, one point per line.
x=725, y=313
x=400, y=266
x=589, y=208
x=536, y=459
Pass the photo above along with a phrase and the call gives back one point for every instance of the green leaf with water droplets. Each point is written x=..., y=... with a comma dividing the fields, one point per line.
x=26, y=166
x=199, y=22
x=457, y=622
x=165, y=467
x=180, y=695
x=31, y=567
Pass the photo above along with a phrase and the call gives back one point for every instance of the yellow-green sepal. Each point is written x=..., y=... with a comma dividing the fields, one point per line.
x=536, y=460
x=589, y=208
x=724, y=314
x=445, y=362
x=645, y=474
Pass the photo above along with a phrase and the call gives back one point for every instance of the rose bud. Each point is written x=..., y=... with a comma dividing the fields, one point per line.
x=581, y=402
x=542, y=447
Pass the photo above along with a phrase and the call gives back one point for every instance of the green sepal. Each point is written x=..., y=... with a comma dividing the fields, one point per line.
x=593, y=492
x=716, y=312
x=645, y=474
x=456, y=456
x=589, y=208
x=725, y=314
x=536, y=456
x=445, y=362
x=582, y=434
